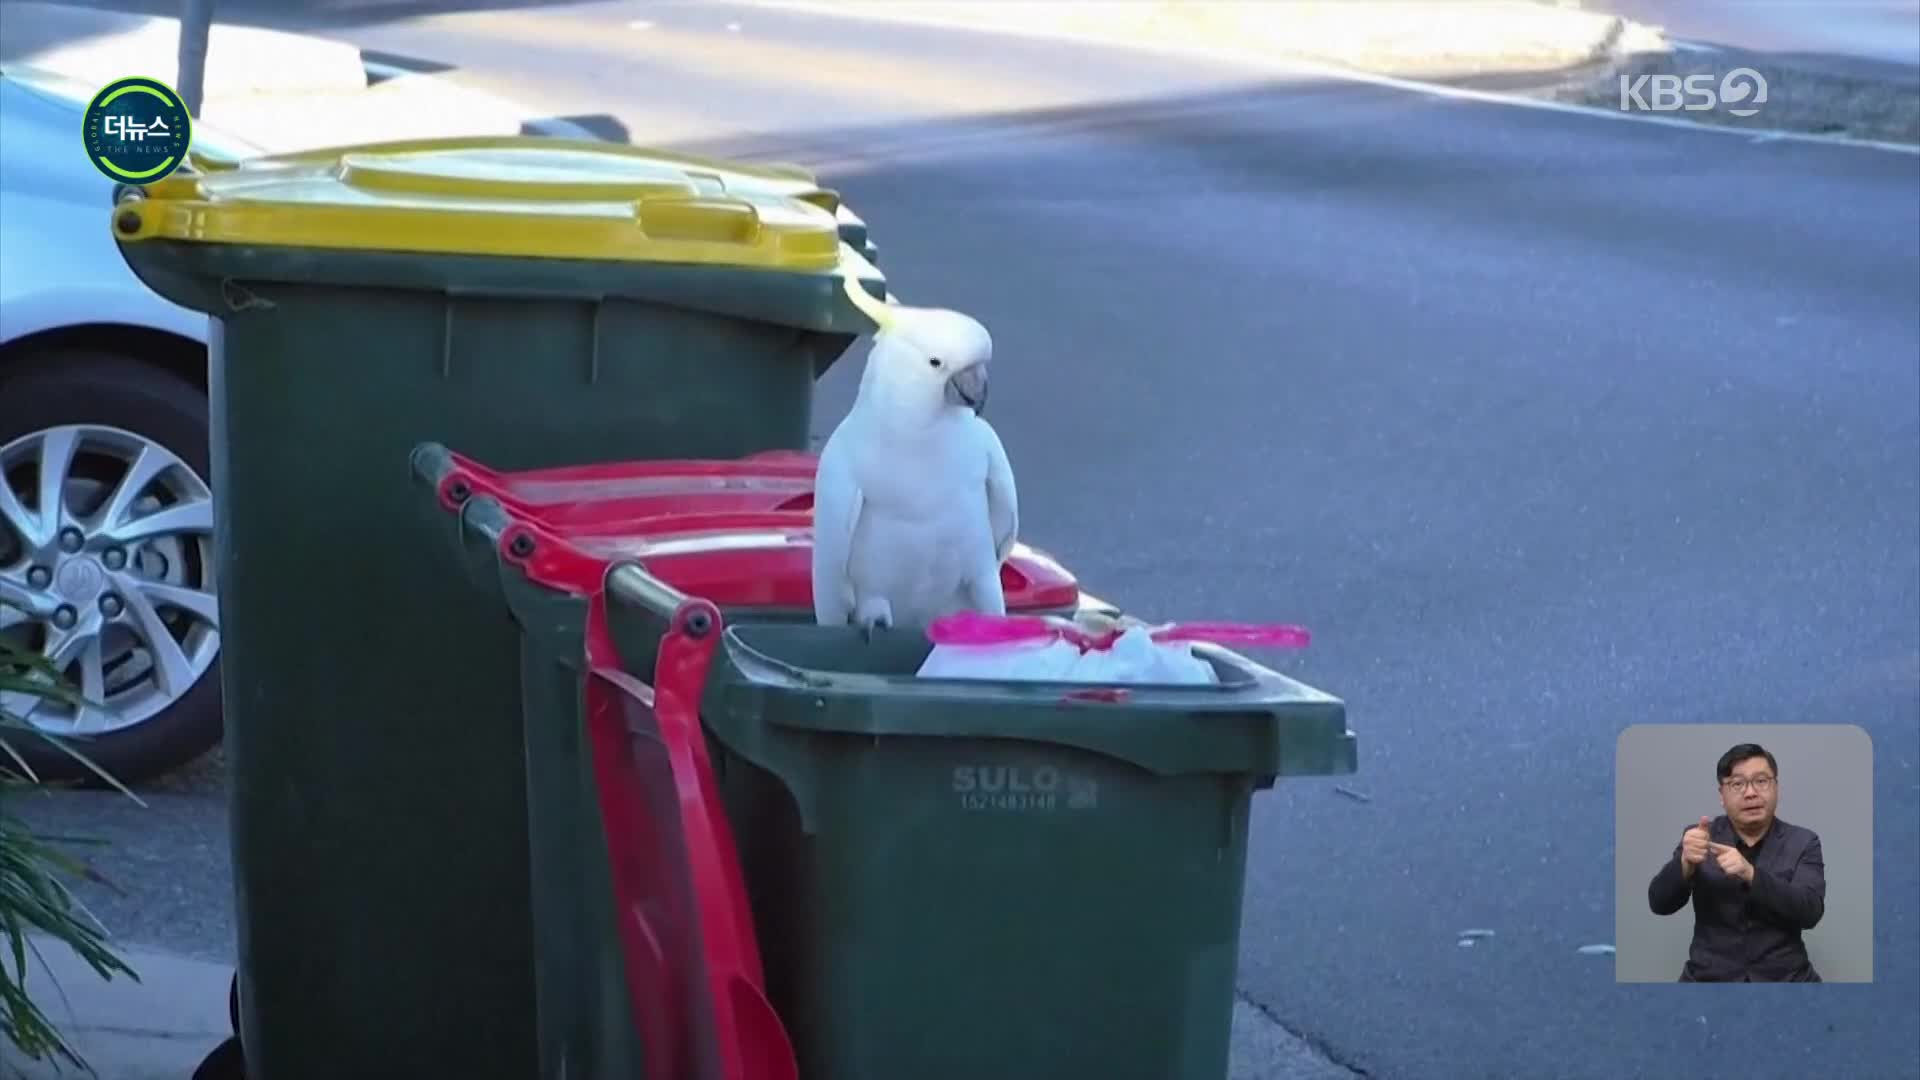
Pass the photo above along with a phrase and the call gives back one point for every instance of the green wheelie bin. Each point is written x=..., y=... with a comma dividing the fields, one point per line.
x=539, y=306
x=960, y=877
x=538, y=543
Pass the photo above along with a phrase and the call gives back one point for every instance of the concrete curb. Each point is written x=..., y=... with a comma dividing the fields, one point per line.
x=166, y=1023
x=1616, y=47
x=272, y=90
x=1868, y=103
x=1389, y=37
x=95, y=47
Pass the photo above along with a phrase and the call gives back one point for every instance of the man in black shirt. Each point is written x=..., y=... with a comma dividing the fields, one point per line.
x=1756, y=882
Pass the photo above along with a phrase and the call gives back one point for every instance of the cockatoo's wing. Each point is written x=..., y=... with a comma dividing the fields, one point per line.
x=1003, y=498
x=837, y=503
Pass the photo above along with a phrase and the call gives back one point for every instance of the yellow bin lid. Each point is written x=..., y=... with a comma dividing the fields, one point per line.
x=530, y=196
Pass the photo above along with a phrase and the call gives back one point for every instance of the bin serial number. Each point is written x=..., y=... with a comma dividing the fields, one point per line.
x=1014, y=789
x=1008, y=802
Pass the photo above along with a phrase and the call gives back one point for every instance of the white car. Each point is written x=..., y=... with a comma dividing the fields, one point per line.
x=106, y=516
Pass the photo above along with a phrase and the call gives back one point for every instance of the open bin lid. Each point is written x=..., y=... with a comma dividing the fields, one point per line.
x=738, y=532
x=518, y=196
x=611, y=491
x=693, y=968
x=737, y=559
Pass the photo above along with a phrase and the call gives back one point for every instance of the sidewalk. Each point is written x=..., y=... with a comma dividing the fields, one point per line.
x=95, y=47
x=1385, y=37
x=274, y=90
x=159, y=1028
x=1541, y=51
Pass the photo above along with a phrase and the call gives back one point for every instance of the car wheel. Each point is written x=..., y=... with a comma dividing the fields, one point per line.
x=106, y=562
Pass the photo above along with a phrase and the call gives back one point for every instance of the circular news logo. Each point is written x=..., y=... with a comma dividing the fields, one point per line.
x=137, y=131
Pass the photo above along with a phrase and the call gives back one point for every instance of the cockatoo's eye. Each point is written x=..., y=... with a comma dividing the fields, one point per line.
x=933, y=361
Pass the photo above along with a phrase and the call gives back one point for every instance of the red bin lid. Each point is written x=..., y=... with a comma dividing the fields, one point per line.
x=774, y=480
x=739, y=558
x=737, y=531
x=696, y=986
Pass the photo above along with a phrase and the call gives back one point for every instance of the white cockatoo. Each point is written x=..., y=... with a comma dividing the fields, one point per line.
x=914, y=505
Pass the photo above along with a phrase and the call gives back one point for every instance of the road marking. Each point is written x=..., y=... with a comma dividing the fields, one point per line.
x=872, y=13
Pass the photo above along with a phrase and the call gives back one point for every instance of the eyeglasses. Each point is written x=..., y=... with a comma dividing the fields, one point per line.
x=1762, y=784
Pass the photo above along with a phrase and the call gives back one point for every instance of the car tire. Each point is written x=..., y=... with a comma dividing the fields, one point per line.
x=89, y=386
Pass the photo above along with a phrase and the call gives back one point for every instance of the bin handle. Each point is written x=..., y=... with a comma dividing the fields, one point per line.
x=485, y=515
x=628, y=582
x=440, y=469
x=431, y=462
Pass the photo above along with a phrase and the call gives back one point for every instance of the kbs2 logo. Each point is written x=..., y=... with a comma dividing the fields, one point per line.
x=1741, y=91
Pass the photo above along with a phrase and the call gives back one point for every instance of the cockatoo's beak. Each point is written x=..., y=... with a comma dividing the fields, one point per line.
x=968, y=387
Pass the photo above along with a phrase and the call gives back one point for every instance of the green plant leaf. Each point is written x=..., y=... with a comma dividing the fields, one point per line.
x=33, y=899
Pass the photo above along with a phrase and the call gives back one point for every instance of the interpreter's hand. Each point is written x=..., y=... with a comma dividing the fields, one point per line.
x=1694, y=844
x=1732, y=863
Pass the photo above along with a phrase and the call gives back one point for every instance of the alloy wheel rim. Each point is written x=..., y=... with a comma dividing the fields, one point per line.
x=106, y=569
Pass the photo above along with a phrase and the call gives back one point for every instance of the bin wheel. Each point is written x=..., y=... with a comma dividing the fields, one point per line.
x=228, y=1060
x=129, y=608
x=224, y=1063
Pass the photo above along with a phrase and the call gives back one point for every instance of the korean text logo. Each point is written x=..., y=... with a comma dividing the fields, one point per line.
x=137, y=130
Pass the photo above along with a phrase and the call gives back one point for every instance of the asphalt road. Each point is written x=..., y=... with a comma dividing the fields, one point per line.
x=1544, y=424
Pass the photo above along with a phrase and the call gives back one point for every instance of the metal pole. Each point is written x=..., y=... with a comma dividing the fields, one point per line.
x=196, y=19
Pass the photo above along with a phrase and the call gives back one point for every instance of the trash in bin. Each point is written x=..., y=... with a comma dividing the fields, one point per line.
x=537, y=304
x=974, y=645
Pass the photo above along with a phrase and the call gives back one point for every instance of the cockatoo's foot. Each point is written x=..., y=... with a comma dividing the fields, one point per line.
x=872, y=613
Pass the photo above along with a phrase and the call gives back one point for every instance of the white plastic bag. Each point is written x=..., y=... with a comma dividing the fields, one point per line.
x=1036, y=660
x=1135, y=657
x=1099, y=652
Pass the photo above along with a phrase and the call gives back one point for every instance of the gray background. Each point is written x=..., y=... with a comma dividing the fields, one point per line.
x=1664, y=781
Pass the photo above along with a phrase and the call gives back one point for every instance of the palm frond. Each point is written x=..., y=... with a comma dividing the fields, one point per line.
x=33, y=899
x=31, y=674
